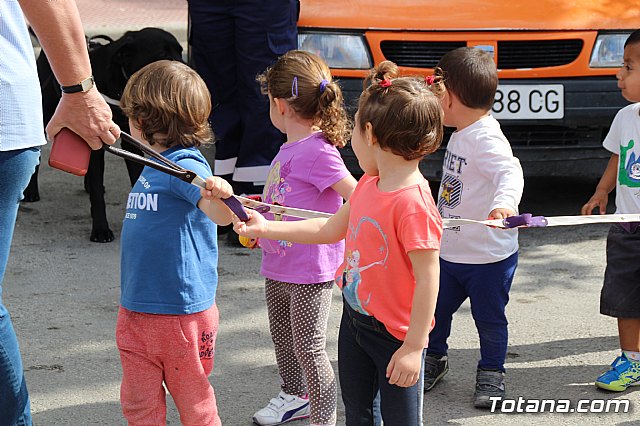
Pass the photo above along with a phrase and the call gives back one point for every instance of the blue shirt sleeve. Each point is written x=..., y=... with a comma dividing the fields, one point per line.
x=187, y=191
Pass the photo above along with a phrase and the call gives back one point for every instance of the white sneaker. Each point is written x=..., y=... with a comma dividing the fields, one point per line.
x=282, y=409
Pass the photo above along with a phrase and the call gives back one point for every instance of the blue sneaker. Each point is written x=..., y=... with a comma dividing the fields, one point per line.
x=623, y=373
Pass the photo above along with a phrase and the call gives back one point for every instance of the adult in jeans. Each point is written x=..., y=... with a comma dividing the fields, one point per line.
x=232, y=42
x=58, y=27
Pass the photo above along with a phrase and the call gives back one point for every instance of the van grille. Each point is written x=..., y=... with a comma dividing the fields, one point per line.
x=533, y=136
x=537, y=53
x=417, y=54
x=511, y=54
x=558, y=136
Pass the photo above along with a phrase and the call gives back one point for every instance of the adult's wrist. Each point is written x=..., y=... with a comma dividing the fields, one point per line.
x=82, y=86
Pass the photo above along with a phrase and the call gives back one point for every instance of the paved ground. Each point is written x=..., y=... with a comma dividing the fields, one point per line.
x=63, y=293
x=117, y=16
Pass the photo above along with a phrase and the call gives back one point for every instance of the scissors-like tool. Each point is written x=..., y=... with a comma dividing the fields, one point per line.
x=167, y=166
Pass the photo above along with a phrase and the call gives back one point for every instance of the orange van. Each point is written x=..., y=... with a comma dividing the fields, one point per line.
x=556, y=62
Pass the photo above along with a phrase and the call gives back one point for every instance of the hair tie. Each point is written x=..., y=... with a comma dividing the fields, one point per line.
x=429, y=80
x=294, y=87
x=385, y=82
x=323, y=85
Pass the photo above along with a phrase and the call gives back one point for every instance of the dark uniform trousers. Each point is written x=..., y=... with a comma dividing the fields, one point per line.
x=232, y=42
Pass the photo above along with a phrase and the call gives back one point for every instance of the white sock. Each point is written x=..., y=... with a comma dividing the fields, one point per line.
x=632, y=356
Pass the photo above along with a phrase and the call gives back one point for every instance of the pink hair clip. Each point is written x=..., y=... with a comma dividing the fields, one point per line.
x=385, y=83
x=429, y=79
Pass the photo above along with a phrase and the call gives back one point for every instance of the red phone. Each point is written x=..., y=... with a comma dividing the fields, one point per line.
x=70, y=153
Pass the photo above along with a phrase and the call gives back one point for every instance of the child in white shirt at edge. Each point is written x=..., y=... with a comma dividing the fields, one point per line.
x=620, y=297
x=480, y=178
x=393, y=232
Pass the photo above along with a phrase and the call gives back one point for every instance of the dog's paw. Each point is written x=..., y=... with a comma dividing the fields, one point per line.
x=31, y=196
x=101, y=236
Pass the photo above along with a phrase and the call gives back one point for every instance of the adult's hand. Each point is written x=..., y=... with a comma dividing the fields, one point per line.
x=88, y=115
x=59, y=29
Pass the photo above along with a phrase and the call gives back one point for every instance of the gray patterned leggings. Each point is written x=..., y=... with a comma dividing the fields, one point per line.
x=298, y=315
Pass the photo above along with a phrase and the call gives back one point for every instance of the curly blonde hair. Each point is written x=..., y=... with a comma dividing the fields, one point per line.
x=170, y=104
x=304, y=81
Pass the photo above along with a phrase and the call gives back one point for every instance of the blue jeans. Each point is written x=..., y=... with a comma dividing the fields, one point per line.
x=16, y=168
x=365, y=348
x=487, y=286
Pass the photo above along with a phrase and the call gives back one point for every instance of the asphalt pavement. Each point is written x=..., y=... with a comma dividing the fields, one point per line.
x=63, y=290
x=114, y=17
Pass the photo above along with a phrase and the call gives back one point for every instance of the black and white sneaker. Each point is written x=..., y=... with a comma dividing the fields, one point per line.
x=434, y=369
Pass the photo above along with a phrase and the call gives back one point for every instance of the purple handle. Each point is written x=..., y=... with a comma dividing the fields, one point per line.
x=525, y=219
x=514, y=221
x=538, y=222
x=236, y=207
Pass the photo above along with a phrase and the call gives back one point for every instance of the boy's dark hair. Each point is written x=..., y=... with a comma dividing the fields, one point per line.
x=634, y=37
x=404, y=112
x=471, y=75
x=169, y=102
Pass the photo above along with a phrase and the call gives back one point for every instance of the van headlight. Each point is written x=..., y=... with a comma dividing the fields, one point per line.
x=338, y=50
x=608, y=50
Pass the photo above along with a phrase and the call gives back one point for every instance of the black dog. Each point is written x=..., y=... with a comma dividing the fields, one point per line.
x=112, y=63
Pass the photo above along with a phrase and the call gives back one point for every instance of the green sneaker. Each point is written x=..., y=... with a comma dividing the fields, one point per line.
x=623, y=373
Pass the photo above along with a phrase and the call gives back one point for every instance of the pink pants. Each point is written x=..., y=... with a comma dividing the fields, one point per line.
x=175, y=349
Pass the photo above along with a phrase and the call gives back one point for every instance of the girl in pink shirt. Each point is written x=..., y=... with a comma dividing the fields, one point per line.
x=389, y=275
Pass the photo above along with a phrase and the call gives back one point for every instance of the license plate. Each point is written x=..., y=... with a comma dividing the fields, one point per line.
x=517, y=102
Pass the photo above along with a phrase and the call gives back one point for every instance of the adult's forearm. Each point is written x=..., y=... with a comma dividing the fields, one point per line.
x=59, y=29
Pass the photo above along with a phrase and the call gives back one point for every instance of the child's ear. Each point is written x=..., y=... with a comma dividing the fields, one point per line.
x=135, y=123
x=448, y=99
x=368, y=134
x=280, y=104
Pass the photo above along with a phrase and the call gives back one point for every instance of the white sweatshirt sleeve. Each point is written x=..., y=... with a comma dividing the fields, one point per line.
x=497, y=163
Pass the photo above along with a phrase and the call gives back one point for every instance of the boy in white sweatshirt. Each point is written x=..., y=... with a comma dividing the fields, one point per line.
x=481, y=178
